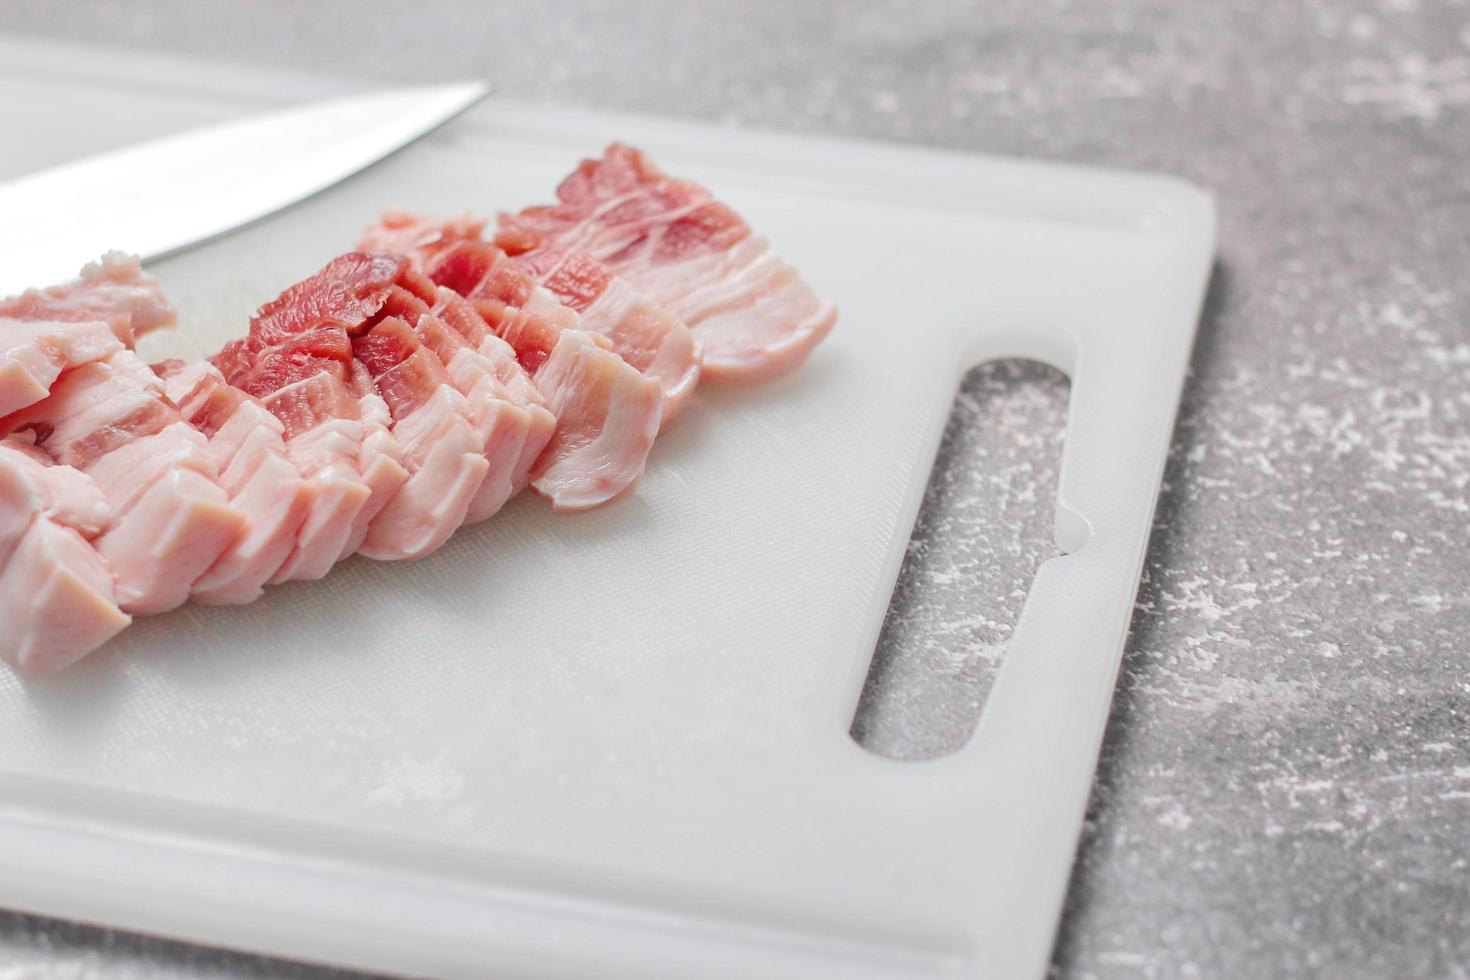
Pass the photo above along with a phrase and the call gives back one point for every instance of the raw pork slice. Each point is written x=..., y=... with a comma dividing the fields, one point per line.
x=643, y=333
x=516, y=386
x=336, y=349
x=57, y=601
x=441, y=448
x=379, y=460
x=755, y=318
x=297, y=360
x=171, y=520
x=512, y=429
x=66, y=495
x=115, y=290
x=607, y=413
x=249, y=449
x=33, y=355
x=505, y=427
x=418, y=236
x=110, y=419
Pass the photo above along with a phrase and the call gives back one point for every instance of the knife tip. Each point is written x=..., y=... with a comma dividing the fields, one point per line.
x=469, y=91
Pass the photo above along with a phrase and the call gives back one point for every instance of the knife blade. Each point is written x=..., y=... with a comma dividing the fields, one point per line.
x=159, y=197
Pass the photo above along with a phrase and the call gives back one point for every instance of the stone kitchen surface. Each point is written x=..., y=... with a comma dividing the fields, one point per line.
x=1284, y=787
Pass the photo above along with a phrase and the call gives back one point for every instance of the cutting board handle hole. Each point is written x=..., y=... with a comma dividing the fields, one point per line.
x=988, y=520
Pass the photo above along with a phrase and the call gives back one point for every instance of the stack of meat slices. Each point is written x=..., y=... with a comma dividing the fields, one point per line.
x=685, y=251
x=404, y=389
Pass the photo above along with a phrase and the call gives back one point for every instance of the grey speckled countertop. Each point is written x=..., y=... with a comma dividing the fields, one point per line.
x=1285, y=785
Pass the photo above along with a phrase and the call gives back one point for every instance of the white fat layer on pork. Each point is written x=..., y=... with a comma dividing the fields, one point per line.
x=498, y=356
x=57, y=596
x=649, y=337
x=501, y=424
x=57, y=599
x=173, y=519
x=379, y=462
x=170, y=518
x=607, y=417
x=66, y=495
x=442, y=452
x=262, y=483
x=326, y=456
x=33, y=355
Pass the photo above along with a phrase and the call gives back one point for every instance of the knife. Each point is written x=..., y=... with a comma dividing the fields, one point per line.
x=156, y=198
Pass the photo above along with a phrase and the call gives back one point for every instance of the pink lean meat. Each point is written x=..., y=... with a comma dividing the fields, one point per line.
x=754, y=316
x=369, y=418
x=643, y=333
x=510, y=415
x=607, y=413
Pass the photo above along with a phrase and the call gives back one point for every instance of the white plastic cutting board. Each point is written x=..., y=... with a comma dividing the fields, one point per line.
x=616, y=745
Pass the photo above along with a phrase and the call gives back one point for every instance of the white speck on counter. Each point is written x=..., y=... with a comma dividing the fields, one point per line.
x=413, y=780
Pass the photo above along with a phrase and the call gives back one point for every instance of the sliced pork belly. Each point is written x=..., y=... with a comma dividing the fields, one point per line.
x=409, y=426
x=607, y=412
x=170, y=519
x=297, y=360
x=754, y=316
x=516, y=385
x=346, y=335
x=34, y=353
x=420, y=237
x=324, y=433
x=607, y=421
x=509, y=431
x=643, y=333
x=57, y=601
x=65, y=494
x=262, y=482
x=380, y=458
x=115, y=290
x=56, y=594
x=442, y=450
x=509, y=415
